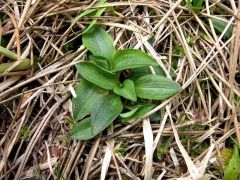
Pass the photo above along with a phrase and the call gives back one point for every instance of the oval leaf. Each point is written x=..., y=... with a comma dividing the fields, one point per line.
x=139, y=72
x=105, y=111
x=136, y=113
x=87, y=94
x=156, y=87
x=99, y=42
x=100, y=61
x=97, y=75
x=129, y=113
x=132, y=58
x=82, y=130
x=127, y=90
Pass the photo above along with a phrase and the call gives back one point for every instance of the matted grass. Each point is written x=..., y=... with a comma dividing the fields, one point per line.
x=183, y=137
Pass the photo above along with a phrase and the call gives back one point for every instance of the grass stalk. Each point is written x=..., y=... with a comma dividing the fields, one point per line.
x=23, y=65
x=8, y=53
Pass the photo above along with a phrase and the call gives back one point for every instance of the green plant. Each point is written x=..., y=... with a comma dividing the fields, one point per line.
x=232, y=171
x=58, y=174
x=163, y=149
x=96, y=12
x=115, y=83
x=71, y=122
x=223, y=160
x=37, y=172
x=23, y=65
x=195, y=5
x=221, y=25
x=122, y=149
x=25, y=133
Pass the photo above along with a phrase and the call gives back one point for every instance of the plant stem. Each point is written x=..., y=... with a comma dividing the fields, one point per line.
x=23, y=65
x=8, y=53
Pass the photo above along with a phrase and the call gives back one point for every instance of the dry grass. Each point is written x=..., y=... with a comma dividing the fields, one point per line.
x=35, y=104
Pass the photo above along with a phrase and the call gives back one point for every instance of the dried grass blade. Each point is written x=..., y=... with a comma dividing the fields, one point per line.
x=194, y=172
x=108, y=155
x=148, y=139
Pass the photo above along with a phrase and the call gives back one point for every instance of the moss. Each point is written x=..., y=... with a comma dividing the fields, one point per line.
x=25, y=132
x=122, y=149
x=163, y=149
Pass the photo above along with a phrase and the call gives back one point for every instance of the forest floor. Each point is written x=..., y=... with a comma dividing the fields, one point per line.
x=190, y=136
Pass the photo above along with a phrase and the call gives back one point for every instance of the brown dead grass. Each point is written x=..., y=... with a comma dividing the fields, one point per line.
x=35, y=105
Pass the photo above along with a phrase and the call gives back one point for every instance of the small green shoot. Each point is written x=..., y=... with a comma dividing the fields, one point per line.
x=37, y=173
x=58, y=174
x=98, y=13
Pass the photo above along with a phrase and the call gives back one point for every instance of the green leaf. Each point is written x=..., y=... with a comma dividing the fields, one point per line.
x=93, y=22
x=82, y=130
x=87, y=94
x=88, y=12
x=221, y=25
x=84, y=13
x=195, y=5
x=132, y=58
x=198, y=4
x=156, y=87
x=130, y=113
x=189, y=4
x=138, y=72
x=106, y=110
x=97, y=75
x=100, y=61
x=232, y=171
x=127, y=90
x=138, y=112
x=99, y=42
x=142, y=111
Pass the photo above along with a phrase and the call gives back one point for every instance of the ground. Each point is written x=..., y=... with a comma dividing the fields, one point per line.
x=191, y=135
